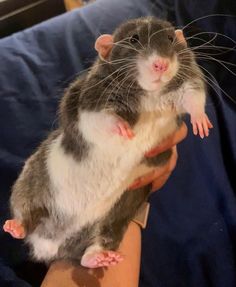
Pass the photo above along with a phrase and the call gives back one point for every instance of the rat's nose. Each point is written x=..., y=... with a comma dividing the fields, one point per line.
x=160, y=65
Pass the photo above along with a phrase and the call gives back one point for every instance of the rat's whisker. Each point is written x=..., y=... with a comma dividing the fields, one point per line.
x=119, y=84
x=129, y=90
x=209, y=80
x=210, y=49
x=216, y=34
x=103, y=80
x=124, y=39
x=202, y=56
x=207, y=16
x=207, y=42
x=223, y=91
x=198, y=38
x=128, y=42
x=122, y=60
x=108, y=86
x=102, y=64
x=149, y=36
x=206, y=79
x=119, y=74
x=127, y=46
x=121, y=69
x=209, y=57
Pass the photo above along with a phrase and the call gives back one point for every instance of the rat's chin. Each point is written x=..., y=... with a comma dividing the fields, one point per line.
x=154, y=84
x=166, y=78
x=157, y=81
x=151, y=86
x=162, y=80
x=148, y=84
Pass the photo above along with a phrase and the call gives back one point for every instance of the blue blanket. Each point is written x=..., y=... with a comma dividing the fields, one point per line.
x=191, y=235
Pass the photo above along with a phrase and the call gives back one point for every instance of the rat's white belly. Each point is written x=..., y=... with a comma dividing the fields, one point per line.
x=86, y=190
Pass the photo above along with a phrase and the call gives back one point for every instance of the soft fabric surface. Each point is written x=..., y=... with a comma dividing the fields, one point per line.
x=191, y=235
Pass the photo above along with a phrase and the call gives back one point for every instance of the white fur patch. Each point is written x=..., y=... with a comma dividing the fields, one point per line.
x=43, y=249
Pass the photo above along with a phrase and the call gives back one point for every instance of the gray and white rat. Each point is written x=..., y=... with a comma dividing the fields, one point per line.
x=71, y=200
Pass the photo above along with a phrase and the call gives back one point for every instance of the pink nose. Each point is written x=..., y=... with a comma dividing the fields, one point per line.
x=160, y=65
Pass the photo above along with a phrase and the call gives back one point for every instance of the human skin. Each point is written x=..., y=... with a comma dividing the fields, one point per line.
x=126, y=273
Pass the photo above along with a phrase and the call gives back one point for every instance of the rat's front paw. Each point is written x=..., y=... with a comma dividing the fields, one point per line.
x=201, y=125
x=123, y=129
x=112, y=124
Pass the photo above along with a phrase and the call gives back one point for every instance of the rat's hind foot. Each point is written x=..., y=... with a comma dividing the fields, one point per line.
x=201, y=125
x=15, y=228
x=101, y=259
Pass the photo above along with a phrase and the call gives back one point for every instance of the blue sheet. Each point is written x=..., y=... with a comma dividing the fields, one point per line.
x=191, y=235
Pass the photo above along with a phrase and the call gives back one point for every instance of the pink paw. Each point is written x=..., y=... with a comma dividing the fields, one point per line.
x=123, y=129
x=101, y=259
x=15, y=228
x=201, y=125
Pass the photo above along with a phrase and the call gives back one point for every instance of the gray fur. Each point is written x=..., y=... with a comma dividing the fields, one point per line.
x=72, y=141
x=116, y=222
x=31, y=192
x=75, y=246
x=113, y=93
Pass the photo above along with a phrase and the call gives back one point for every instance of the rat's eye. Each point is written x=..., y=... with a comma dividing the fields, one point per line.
x=134, y=39
x=171, y=38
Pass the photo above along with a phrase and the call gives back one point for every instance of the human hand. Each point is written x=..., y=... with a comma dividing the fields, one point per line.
x=160, y=175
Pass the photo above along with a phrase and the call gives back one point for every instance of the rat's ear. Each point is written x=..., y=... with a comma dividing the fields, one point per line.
x=180, y=36
x=103, y=45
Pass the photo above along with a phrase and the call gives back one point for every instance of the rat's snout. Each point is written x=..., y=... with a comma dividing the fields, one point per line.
x=160, y=65
x=155, y=71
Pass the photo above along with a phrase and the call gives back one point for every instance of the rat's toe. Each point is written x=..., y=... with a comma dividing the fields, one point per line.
x=101, y=259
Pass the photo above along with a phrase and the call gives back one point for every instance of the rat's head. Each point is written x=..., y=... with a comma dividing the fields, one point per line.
x=148, y=48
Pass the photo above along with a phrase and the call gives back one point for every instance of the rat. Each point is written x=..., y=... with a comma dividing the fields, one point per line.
x=71, y=200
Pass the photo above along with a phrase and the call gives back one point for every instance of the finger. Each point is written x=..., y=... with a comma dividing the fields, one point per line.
x=173, y=160
x=160, y=182
x=157, y=173
x=147, y=179
x=172, y=140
